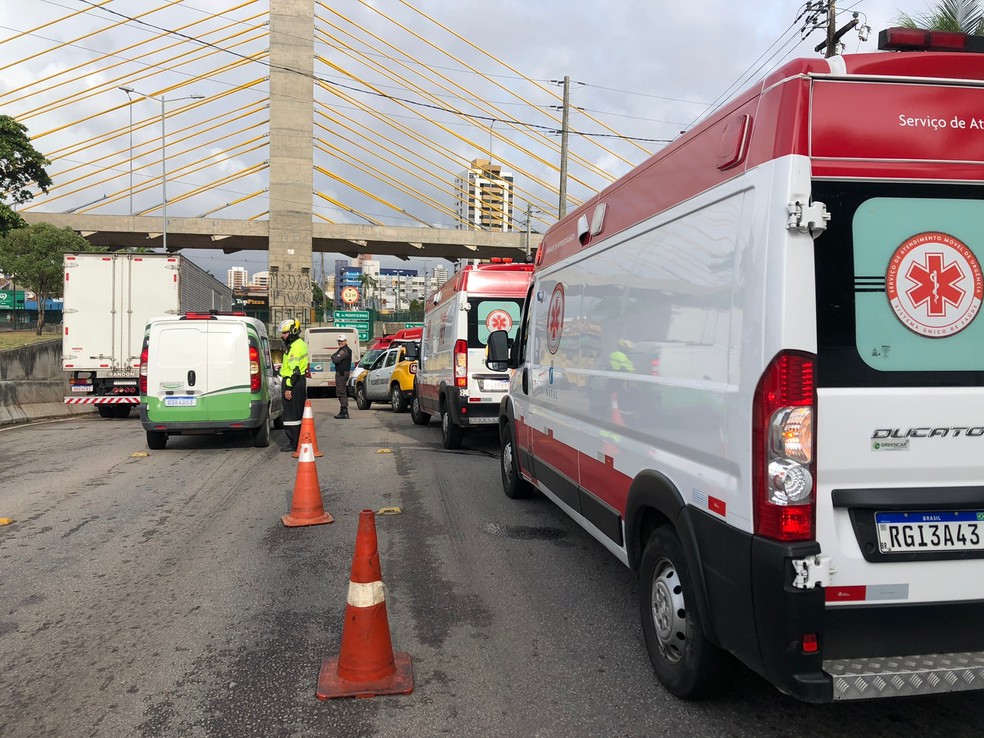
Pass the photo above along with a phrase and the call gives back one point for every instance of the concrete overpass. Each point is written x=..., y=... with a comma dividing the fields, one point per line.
x=230, y=236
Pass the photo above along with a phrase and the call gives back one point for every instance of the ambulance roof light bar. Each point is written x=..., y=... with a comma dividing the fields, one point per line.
x=919, y=39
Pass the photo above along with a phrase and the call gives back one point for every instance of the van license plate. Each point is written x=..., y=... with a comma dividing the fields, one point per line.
x=910, y=532
x=495, y=385
x=180, y=401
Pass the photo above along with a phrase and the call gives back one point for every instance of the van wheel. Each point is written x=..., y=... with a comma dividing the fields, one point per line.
x=397, y=401
x=418, y=416
x=361, y=401
x=513, y=484
x=156, y=440
x=685, y=662
x=451, y=434
x=261, y=433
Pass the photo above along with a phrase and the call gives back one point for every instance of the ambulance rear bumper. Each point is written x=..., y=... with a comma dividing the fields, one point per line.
x=865, y=651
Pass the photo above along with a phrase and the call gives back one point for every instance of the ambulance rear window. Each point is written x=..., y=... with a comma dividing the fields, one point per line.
x=492, y=314
x=900, y=285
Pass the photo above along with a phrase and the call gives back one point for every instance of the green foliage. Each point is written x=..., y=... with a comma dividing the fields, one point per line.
x=21, y=166
x=964, y=16
x=33, y=256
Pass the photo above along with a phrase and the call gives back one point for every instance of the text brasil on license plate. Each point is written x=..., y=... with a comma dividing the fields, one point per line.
x=909, y=532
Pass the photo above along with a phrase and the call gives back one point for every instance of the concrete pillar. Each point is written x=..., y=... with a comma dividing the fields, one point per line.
x=291, y=158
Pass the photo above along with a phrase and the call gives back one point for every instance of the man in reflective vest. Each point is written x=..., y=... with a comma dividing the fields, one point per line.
x=293, y=380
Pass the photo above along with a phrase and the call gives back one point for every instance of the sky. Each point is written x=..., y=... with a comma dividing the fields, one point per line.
x=407, y=92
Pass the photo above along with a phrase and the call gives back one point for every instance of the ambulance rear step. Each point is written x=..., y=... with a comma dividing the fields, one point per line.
x=903, y=676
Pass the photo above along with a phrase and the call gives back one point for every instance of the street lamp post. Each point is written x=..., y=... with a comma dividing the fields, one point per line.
x=127, y=90
x=163, y=101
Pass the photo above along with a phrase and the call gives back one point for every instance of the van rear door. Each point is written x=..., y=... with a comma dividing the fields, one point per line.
x=198, y=370
x=900, y=392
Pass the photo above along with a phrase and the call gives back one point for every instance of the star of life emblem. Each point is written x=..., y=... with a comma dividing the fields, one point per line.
x=555, y=318
x=934, y=284
x=499, y=320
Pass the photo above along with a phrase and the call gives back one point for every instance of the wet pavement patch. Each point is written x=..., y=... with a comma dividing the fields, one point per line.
x=525, y=532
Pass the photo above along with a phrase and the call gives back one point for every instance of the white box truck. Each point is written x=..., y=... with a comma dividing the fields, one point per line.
x=109, y=297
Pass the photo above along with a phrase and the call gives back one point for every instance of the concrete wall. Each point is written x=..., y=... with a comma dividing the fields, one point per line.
x=32, y=384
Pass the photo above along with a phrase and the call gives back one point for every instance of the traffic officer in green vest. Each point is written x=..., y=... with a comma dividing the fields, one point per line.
x=293, y=380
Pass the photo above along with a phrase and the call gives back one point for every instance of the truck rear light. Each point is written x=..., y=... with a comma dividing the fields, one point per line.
x=143, y=370
x=254, y=369
x=783, y=443
x=461, y=363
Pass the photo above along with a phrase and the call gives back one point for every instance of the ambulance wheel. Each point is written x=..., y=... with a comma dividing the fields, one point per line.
x=418, y=416
x=451, y=434
x=513, y=484
x=261, y=433
x=156, y=440
x=397, y=401
x=686, y=663
x=361, y=401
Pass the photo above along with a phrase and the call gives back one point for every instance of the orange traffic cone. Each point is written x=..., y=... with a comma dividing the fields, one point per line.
x=367, y=665
x=306, y=507
x=307, y=434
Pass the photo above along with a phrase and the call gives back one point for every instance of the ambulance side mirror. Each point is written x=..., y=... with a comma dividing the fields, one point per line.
x=412, y=351
x=497, y=351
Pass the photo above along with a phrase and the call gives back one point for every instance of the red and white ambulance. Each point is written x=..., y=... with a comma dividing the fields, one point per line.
x=753, y=370
x=453, y=382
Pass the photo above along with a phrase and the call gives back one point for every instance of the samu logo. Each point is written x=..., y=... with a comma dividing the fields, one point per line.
x=934, y=284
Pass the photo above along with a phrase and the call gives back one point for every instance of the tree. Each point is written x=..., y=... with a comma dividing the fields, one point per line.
x=33, y=256
x=964, y=16
x=367, y=281
x=21, y=165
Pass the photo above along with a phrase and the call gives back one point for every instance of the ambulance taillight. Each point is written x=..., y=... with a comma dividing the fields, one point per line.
x=254, y=369
x=783, y=464
x=461, y=363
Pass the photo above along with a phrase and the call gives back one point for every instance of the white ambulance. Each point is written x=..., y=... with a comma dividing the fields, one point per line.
x=753, y=370
x=453, y=382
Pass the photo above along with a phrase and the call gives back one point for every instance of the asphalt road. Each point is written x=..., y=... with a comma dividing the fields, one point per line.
x=158, y=594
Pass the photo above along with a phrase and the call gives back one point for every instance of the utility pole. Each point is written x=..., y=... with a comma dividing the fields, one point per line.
x=834, y=35
x=831, y=30
x=564, y=127
x=529, y=226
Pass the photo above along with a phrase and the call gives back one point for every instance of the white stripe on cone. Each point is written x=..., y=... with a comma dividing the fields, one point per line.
x=308, y=412
x=307, y=453
x=361, y=594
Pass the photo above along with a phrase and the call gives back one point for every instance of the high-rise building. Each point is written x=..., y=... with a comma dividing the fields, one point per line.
x=484, y=197
x=237, y=277
x=261, y=279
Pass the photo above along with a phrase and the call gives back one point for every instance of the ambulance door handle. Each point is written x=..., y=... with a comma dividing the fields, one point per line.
x=191, y=377
x=526, y=381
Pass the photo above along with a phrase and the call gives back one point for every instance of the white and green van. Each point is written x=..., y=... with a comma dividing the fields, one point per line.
x=208, y=373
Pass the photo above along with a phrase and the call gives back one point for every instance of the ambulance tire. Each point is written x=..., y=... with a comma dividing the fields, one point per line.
x=156, y=440
x=261, y=433
x=418, y=416
x=686, y=663
x=515, y=487
x=451, y=433
x=397, y=401
x=361, y=401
